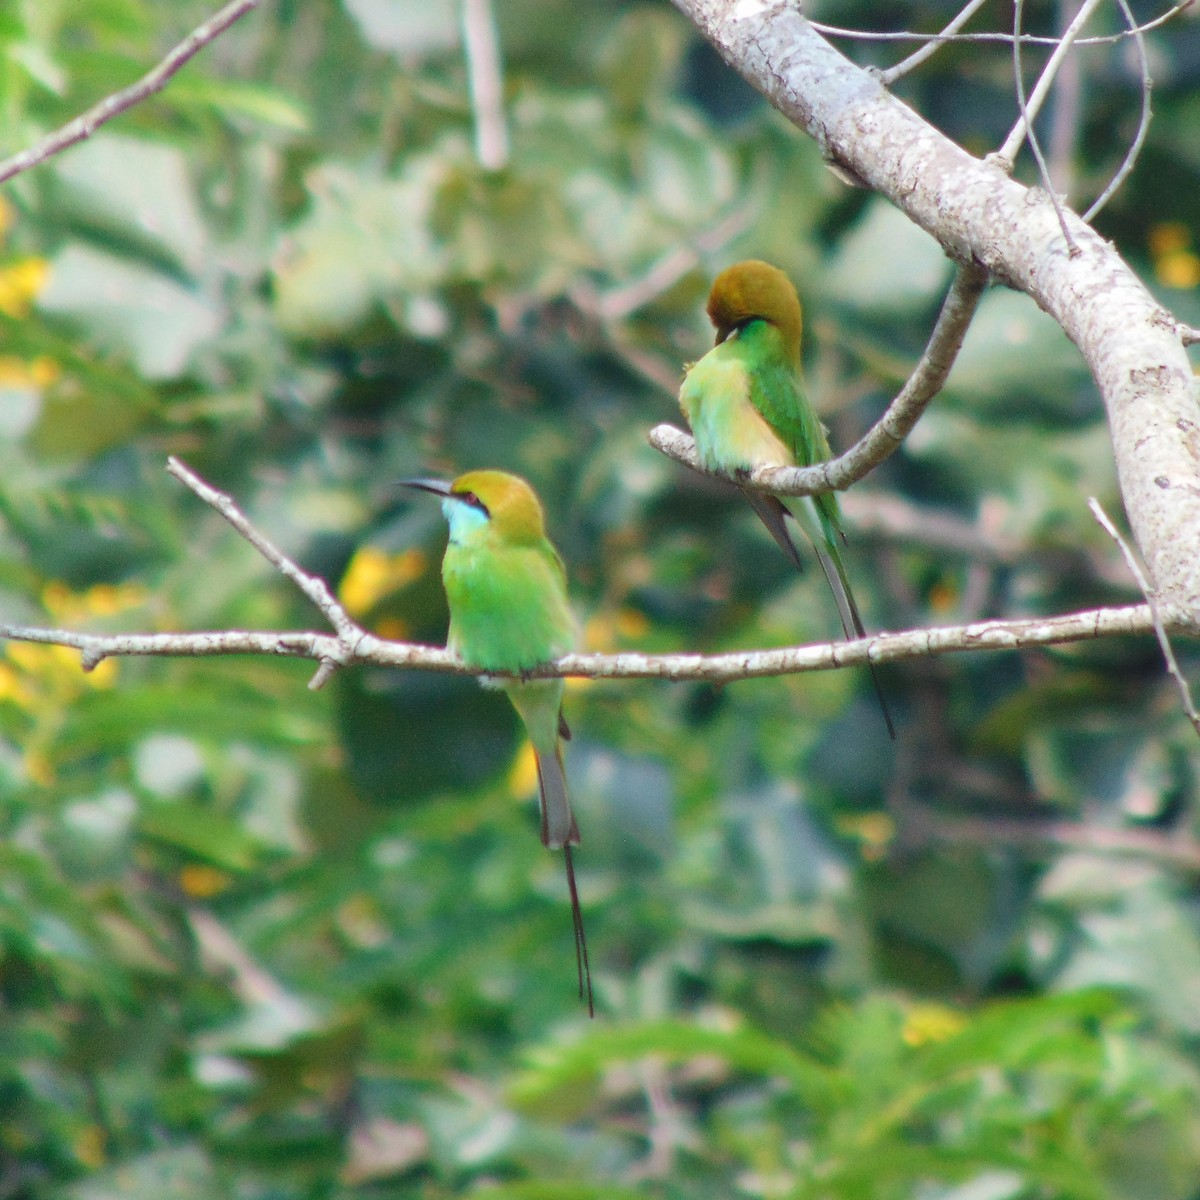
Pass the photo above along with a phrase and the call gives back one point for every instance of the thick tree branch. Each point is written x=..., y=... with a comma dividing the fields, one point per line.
x=888, y=432
x=1133, y=348
x=87, y=124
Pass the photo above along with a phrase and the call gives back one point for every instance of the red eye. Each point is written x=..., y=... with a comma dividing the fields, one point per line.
x=470, y=497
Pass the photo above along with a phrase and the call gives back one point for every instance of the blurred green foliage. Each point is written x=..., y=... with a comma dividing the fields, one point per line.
x=260, y=942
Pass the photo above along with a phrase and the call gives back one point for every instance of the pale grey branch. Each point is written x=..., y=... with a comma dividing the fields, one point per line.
x=1164, y=642
x=1028, y=39
x=1182, y=852
x=617, y=303
x=1021, y=634
x=482, y=42
x=312, y=586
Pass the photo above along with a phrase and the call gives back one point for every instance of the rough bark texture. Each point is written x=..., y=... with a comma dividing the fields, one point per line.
x=1132, y=346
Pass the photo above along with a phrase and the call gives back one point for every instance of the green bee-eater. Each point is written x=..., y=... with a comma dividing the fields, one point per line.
x=507, y=592
x=747, y=407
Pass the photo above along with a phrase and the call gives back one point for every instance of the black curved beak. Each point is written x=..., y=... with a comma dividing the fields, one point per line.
x=437, y=486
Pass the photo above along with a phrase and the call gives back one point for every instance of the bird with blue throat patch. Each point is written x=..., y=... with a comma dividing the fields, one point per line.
x=506, y=588
x=746, y=404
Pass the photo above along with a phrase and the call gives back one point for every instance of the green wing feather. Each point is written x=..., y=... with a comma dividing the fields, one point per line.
x=751, y=373
x=508, y=608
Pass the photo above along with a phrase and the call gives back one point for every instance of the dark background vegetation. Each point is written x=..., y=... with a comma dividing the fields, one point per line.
x=260, y=942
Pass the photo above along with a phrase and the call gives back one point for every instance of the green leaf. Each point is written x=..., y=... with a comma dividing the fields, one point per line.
x=233, y=99
x=917, y=268
x=136, y=191
x=407, y=27
x=198, y=831
x=129, y=309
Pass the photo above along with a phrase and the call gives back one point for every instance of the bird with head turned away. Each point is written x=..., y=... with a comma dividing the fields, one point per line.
x=747, y=406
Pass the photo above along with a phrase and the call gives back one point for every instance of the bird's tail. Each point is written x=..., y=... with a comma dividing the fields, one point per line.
x=852, y=626
x=559, y=832
x=558, y=821
x=540, y=706
x=822, y=533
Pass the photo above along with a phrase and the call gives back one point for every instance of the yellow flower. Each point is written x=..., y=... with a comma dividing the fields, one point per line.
x=91, y=1146
x=1176, y=264
x=100, y=600
x=927, y=1023
x=20, y=282
x=522, y=775
x=874, y=830
x=202, y=882
x=373, y=574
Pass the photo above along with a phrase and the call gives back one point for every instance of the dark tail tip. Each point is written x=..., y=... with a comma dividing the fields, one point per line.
x=581, y=953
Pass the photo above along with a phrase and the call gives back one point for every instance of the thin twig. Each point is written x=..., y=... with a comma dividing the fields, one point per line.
x=1160, y=632
x=1016, y=634
x=623, y=301
x=353, y=644
x=1189, y=335
x=882, y=514
x=1181, y=852
x=1068, y=98
x=84, y=126
x=312, y=586
x=1143, y=128
x=914, y=60
x=1029, y=39
x=1031, y=107
x=350, y=634
x=482, y=44
x=892, y=427
x=251, y=983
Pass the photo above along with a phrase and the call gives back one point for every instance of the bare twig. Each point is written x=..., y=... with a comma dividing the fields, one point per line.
x=1160, y=632
x=1052, y=835
x=885, y=515
x=1028, y=39
x=1030, y=109
x=1024, y=128
x=1017, y=634
x=94, y=648
x=87, y=124
x=889, y=431
x=349, y=632
x=353, y=644
x=882, y=514
x=1135, y=147
x=1067, y=111
x=252, y=984
x=617, y=303
x=482, y=43
x=1189, y=335
x=914, y=60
